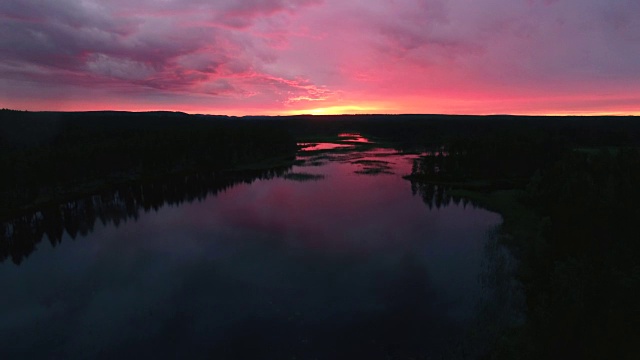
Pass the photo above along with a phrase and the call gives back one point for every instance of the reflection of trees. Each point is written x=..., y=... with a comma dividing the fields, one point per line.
x=437, y=195
x=432, y=195
x=20, y=236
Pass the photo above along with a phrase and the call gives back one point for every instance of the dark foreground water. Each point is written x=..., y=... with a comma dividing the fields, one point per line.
x=336, y=260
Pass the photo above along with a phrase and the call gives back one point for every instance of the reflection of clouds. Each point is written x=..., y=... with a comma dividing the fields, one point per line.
x=342, y=212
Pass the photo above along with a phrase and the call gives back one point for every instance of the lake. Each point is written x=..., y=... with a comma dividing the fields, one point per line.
x=337, y=257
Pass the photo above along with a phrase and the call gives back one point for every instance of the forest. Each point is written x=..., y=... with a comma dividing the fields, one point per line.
x=570, y=209
x=566, y=187
x=50, y=157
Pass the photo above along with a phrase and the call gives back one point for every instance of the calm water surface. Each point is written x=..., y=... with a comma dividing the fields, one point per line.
x=347, y=264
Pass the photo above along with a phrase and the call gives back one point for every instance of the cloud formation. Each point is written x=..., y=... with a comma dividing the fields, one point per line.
x=281, y=56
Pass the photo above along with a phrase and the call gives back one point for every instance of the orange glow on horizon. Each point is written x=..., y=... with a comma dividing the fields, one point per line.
x=339, y=110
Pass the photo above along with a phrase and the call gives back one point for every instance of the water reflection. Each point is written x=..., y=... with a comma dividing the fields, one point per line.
x=435, y=195
x=19, y=236
x=323, y=146
x=345, y=141
x=353, y=137
x=348, y=266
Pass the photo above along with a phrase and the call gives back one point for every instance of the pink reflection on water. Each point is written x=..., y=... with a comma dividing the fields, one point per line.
x=321, y=146
x=354, y=137
x=346, y=141
x=347, y=211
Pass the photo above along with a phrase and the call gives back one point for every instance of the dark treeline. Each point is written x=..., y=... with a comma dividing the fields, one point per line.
x=575, y=232
x=505, y=152
x=49, y=156
x=500, y=159
x=19, y=236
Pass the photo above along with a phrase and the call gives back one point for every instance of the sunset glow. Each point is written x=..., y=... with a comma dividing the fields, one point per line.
x=283, y=57
x=336, y=110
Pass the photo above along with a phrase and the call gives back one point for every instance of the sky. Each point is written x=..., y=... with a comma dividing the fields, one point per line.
x=281, y=57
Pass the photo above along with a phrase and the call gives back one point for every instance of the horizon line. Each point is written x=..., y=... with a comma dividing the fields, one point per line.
x=577, y=114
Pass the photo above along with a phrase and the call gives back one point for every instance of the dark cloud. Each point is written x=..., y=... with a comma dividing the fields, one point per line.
x=168, y=46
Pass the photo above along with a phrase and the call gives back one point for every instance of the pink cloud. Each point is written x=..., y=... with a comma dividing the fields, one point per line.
x=280, y=56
